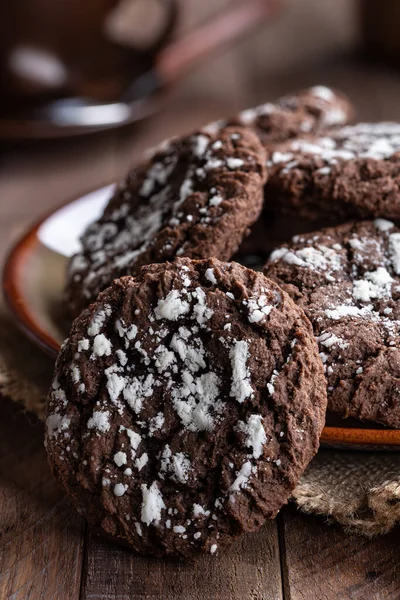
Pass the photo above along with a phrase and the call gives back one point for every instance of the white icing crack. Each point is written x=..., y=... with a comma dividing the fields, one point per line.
x=98, y=321
x=329, y=339
x=270, y=384
x=196, y=400
x=376, y=284
x=320, y=258
x=243, y=476
x=241, y=383
x=176, y=465
x=134, y=443
x=192, y=355
x=172, y=307
x=260, y=306
x=120, y=489
x=120, y=458
x=156, y=423
x=255, y=434
x=101, y=346
x=152, y=504
x=100, y=421
x=56, y=424
x=394, y=251
x=136, y=389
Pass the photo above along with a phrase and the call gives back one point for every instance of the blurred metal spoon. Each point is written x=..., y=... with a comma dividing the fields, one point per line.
x=173, y=62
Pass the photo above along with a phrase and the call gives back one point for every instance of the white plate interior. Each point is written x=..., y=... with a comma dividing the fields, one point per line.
x=61, y=232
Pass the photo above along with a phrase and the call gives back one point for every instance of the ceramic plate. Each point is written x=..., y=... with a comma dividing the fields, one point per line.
x=33, y=282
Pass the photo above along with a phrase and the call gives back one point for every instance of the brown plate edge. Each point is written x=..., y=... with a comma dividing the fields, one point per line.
x=350, y=436
x=14, y=297
x=331, y=436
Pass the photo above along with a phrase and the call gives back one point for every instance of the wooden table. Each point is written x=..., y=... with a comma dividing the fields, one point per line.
x=46, y=550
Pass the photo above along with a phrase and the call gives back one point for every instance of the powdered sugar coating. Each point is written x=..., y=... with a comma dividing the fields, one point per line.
x=152, y=505
x=240, y=387
x=355, y=313
x=364, y=140
x=303, y=112
x=255, y=434
x=342, y=173
x=178, y=427
x=100, y=420
x=195, y=196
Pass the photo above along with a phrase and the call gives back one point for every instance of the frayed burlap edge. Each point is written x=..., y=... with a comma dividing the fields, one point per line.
x=19, y=389
x=359, y=490
x=25, y=373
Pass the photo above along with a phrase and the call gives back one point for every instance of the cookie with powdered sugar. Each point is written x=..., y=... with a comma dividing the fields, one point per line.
x=347, y=279
x=185, y=405
x=349, y=172
x=196, y=196
x=303, y=112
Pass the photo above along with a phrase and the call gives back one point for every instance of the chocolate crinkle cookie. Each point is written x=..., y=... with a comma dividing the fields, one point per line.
x=307, y=112
x=350, y=172
x=347, y=279
x=304, y=112
x=185, y=405
x=196, y=196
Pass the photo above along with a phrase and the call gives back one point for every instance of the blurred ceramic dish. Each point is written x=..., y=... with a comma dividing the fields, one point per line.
x=78, y=115
x=33, y=282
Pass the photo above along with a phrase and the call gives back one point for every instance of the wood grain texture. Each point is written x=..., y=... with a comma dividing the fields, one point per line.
x=321, y=562
x=248, y=570
x=41, y=538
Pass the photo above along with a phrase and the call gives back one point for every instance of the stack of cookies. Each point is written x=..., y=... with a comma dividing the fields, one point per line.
x=191, y=393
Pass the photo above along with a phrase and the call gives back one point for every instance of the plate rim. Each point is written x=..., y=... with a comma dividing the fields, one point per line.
x=350, y=436
x=13, y=296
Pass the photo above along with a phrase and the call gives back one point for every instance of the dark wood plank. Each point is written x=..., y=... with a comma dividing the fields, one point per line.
x=41, y=538
x=249, y=570
x=322, y=562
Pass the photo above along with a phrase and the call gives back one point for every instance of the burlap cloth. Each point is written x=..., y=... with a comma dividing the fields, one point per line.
x=359, y=490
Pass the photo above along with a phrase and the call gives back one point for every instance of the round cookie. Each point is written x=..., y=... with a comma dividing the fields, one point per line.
x=347, y=279
x=185, y=405
x=349, y=172
x=304, y=112
x=196, y=197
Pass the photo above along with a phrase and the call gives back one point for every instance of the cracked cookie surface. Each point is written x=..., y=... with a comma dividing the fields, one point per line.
x=346, y=173
x=347, y=279
x=185, y=406
x=196, y=196
x=304, y=112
